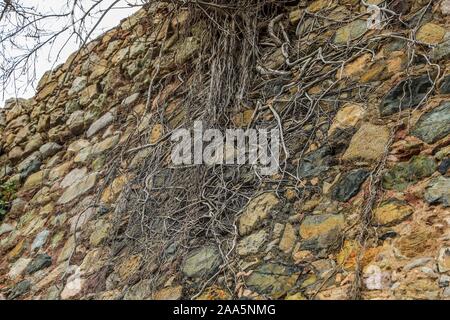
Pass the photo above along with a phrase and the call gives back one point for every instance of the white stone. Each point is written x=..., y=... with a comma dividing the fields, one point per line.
x=5, y=228
x=73, y=286
x=73, y=176
x=444, y=260
x=78, y=189
x=100, y=124
x=78, y=85
x=445, y=7
x=78, y=221
x=18, y=267
x=40, y=240
x=375, y=279
x=130, y=100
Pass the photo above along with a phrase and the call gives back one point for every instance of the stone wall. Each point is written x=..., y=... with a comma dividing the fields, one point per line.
x=379, y=176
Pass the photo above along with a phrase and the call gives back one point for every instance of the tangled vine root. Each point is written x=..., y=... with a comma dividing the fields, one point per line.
x=163, y=208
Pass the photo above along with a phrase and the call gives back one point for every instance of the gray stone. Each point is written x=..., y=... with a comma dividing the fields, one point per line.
x=438, y=191
x=17, y=206
x=76, y=122
x=92, y=60
x=444, y=280
x=445, y=85
x=404, y=174
x=53, y=293
x=323, y=267
x=420, y=262
x=444, y=260
x=407, y=94
x=202, y=262
x=20, y=289
x=442, y=50
x=434, y=125
x=78, y=85
x=138, y=48
x=33, y=167
x=315, y=163
x=445, y=7
x=251, y=244
x=272, y=279
x=140, y=291
x=30, y=162
x=133, y=68
x=100, y=124
x=72, y=106
x=444, y=166
x=40, y=240
x=351, y=31
x=49, y=149
x=130, y=100
x=446, y=293
x=41, y=261
x=348, y=186
x=112, y=47
x=5, y=171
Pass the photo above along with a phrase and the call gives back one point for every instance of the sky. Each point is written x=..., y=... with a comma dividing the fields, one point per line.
x=47, y=57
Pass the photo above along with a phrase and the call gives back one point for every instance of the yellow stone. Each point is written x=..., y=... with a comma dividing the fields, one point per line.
x=320, y=5
x=99, y=69
x=294, y=16
x=47, y=90
x=309, y=281
x=257, y=210
x=87, y=94
x=129, y=267
x=243, y=119
x=60, y=171
x=47, y=209
x=34, y=180
x=67, y=250
x=214, y=293
x=369, y=143
x=171, y=293
x=288, y=239
x=347, y=117
x=355, y=67
x=157, y=133
x=314, y=226
x=17, y=251
x=392, y=213
x=396, y=63
x=101, y=232
x=348, y=255
x=297, y=296
x=111, y=192
x=431, y=33
x=374, y=73
x=290, y=194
